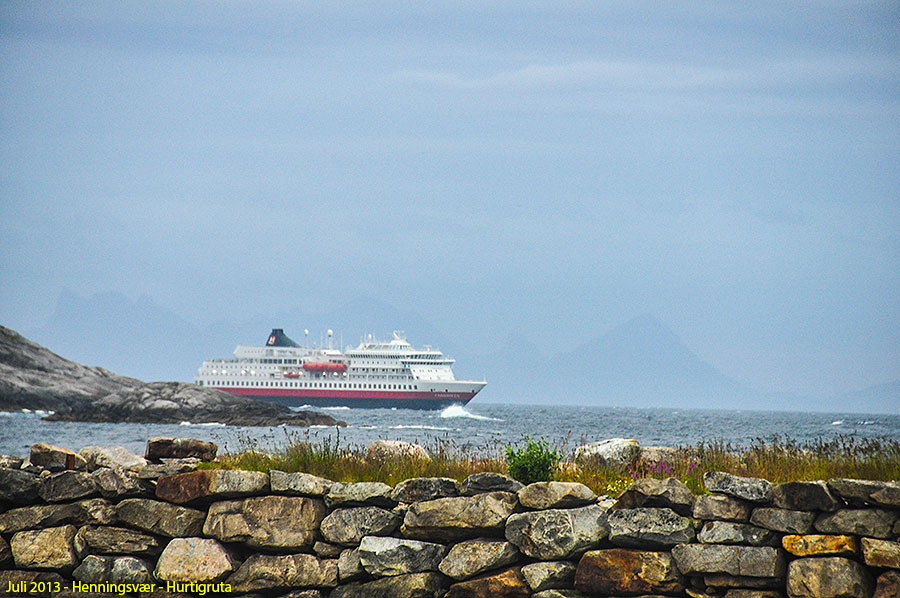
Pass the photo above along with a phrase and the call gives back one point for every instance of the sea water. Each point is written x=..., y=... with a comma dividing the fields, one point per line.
x=481, y=427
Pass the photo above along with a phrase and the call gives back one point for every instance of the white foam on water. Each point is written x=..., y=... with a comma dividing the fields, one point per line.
x=206, y=425
x=420, y=427
x=837, y=422
x=301, y=407
x=460, y=411
x=335, y=408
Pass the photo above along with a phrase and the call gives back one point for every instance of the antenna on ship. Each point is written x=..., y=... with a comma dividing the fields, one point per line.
x=306, y=335
x=330, y=335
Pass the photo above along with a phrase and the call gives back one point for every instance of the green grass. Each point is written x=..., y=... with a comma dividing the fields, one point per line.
x=777, y=460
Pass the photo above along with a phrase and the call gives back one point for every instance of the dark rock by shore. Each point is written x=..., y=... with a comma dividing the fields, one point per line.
x=33, y=377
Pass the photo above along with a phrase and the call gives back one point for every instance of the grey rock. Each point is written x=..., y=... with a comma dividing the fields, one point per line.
x=888, y=585
x=867, y=492
x=180, y=448
x=875, y=523
x=266, y=521
x=359, y=494
x=154, y=471
x=97, y=511
x=50, y=548
x=752, y=489
x=19, y=487
x=414, y=585
x=612, y=452
x=488, y=481
x=623, y=572
x=783, y=520
x=383, y=450
x=349, y=567
x=555, y=495
x=303, y=484
x=348, y=526
x=6, y=557
x=547, y=575
x=161, y=518
x=721, y=507
x=117, y=457
x=55, y=458
x=459, y=517
x=805, y=496
x=16, y=520
x=68, y=485
x=267, y=572
x=558, y=593
x=650, y=492
x=471, y=557
x=324, y=550
x=120, y=483
x=198, y=560
x=557, y=534
x=383, y=557
x=117, y=540
x=659, y=454
x=730, y=532
x=649, y=528
x=831, y=576
x=11, y=462
x=744, y=561
x=122, y=569
x=419, y=489
x=722, y=580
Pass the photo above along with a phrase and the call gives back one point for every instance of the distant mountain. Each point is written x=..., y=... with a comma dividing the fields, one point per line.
x=881, y=398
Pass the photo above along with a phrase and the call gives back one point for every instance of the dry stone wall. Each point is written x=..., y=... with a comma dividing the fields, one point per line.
x=106, y=522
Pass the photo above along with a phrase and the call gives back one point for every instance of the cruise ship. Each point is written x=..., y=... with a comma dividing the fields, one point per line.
x=374, y=374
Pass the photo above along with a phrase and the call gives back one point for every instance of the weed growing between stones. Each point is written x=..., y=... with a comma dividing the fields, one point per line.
x=537, y=462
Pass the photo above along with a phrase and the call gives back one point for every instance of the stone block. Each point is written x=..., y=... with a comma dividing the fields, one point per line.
x=622, y=572
x=419, y=489
x=805, y=496
x=743, y=561
x=459, y=517
x=820, y=545
x=881, y=553
x=867, y=492
x=19, y=487
x=549, y=575
x=888, y=585
x=180, y=448
x=650, y=492
x=555, y=495
x=414, y=585
x=359, y=494
x=273, y=572
x=829, y=577
x=68, y=486
x=49, y=548
x=876, y=523
x=282, y=522
x=472, y=557
x=117, y=540
x=649, y=528
x=121, y=483
x=755, y=490
x=114, y=569
x=349, y=567
x=557, y=534
x=488, y=481
x=783, y=520
x=612, y=452
x=211, y=484
x=197, y=560
x=117, y=457
x=386, y=450
x=348, y=526
x=506, y=584
x=721, y=507
x=386, y=556
x=303, y=484
x=161, y=518
x=55, y=458
x=730, y=532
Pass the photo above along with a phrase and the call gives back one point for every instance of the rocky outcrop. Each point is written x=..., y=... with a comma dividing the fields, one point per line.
x=33, y=377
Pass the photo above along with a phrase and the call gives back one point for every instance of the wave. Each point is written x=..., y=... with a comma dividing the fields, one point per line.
x=420, y=427
x=37, y=412
x=460, y=411
x=301, y=407
x=207, y=424
x=837, y=422
x=335, y=408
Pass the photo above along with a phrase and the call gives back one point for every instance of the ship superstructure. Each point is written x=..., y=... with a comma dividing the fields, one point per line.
x=374, y=374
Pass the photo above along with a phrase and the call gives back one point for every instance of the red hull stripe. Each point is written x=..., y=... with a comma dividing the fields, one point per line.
x=322, y=393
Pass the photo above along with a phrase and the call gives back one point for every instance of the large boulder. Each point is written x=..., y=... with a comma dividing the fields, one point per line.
x=211, y=484
x=269, y=572
x=557, y=534
x=55, y=458
x=471, y=557
x=197, y=560
x=649, y=528
x=303, y=484
x=348, y=526
x=282, y=522
x=612, y=452
x=385, y=556
x=383, y=450
x=805, y=496
x=833, y=577
x=459, y=517
x=555, y=495
x=627, y=572
x=359, y=494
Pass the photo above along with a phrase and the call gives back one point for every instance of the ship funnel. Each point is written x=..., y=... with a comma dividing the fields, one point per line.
x=277, y=338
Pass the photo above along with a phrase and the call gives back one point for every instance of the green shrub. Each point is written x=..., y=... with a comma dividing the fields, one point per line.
x=535, y=463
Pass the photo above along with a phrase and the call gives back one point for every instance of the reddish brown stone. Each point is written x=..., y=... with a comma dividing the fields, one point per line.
x=211, y=483
x=506, y=584
x=627, y=572
x=888, y=585
x=180, y=448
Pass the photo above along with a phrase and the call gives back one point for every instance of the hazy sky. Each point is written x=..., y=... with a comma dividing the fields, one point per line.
x=548, y=170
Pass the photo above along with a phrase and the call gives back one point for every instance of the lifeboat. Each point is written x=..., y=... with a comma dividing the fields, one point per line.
x=324, y=367
x=292, y=374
